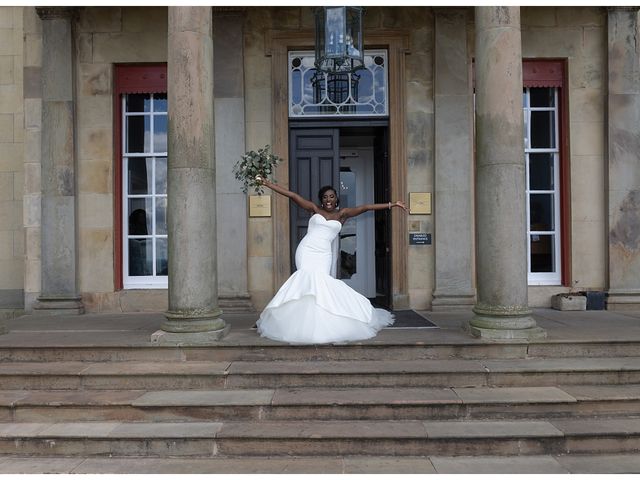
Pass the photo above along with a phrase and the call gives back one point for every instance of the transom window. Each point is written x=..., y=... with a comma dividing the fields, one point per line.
x=316, y=94
x=542, y=154
x=144, y=147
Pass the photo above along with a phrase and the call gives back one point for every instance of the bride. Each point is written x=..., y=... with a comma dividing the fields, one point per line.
x=312, y=306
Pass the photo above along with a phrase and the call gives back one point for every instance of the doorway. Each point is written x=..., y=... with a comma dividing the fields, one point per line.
x=354, y=159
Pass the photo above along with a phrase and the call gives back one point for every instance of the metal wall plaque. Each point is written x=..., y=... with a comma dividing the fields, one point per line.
x=420, y=203
x=259, y=205
x=419, y=239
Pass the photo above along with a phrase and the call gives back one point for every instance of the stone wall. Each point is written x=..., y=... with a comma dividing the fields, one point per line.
x=12, y=134
x=579, y=34
x=419, y=138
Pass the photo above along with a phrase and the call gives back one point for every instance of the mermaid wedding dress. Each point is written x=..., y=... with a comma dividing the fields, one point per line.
x=314, y=307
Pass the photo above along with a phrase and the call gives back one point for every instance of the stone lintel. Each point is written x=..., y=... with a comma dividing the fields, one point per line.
x=623, y=8
x=58, y=305
x=50, y=13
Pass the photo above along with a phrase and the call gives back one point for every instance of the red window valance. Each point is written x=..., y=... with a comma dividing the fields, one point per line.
x=542, y=73
x=147, y=78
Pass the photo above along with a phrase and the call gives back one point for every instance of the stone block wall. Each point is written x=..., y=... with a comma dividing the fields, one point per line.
x=579, y=34
x=12, y=168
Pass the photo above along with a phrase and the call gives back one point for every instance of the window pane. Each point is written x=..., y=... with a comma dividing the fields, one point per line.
x=137, y=102
x=159, y=102
x=139, y=174
x=138, y=134
x=160, y=133
x=161, y=176
x=161, y=216
x=140, y=216
x=140, y=257
x=542, y=97
x=543, y=129
x=541, y=212
x=161, y=257
x=541, y=171
x=542, y=254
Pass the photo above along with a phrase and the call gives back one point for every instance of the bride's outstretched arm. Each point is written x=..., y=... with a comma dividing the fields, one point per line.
x=355, y=211
x=300, y=201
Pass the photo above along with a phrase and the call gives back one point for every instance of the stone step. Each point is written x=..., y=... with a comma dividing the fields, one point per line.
x=526, y=464
x=265, y=350
x=322, y=438
x=321, y=404
x=251, y=375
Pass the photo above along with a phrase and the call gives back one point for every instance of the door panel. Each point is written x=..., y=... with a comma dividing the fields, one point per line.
x=313, y=162
x=382, y=218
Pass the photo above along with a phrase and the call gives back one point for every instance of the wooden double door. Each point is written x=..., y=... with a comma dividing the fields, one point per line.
x=354, y=160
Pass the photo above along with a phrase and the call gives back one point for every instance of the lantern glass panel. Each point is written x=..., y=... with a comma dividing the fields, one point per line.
x=354, y=34
x=334, y=33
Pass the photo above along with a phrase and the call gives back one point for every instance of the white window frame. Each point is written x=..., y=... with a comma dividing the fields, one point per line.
x=138, y=281
x=555, y=277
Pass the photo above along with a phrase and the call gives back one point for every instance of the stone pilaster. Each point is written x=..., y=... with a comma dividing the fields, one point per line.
x=193, y=316
x=59, y=290
x=501, y=311
x=453, y=163
x=624, y=158
x=231, y=202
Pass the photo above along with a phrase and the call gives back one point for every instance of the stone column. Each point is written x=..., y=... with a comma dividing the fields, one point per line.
x=59, y=288
x=193, y=316
x=453, y=164
x=231, y=202
x=501, y=311
x=624, y=158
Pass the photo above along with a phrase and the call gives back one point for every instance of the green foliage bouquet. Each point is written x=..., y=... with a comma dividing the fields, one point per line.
x=255, y=164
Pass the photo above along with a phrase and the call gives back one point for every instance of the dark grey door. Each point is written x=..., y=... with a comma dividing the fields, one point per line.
x=314, y=161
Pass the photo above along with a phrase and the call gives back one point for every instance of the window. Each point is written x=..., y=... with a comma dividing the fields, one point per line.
x=315, y=94
x=141, y=176
x=542, y=154
x=144, y=146
x=547, y=171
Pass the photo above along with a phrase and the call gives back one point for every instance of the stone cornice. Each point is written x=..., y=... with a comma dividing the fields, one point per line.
x=623, y=9
x=48, y=13
x=222, y=11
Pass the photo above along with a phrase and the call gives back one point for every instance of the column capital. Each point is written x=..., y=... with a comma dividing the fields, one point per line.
x=50, y=13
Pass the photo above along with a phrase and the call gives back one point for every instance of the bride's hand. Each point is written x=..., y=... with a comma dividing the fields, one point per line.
x=401, y=204
x=260, y=180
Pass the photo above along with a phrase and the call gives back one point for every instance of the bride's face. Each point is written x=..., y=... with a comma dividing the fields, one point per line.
x=329, y=200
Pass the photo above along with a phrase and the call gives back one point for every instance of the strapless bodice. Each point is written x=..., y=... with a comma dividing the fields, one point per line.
x=322, y=229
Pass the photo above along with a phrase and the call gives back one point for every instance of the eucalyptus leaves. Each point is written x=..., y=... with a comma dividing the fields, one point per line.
x=253, y=164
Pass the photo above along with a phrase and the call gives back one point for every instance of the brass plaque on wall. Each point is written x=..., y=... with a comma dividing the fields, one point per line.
x=420, y=203
x=259, y=205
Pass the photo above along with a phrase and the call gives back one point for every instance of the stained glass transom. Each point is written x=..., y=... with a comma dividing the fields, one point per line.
x=316, y=94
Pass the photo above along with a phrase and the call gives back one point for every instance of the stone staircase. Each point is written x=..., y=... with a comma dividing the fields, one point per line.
x=409, y=400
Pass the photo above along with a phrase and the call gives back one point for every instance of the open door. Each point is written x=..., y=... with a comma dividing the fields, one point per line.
x=382, y=194
x=314, y=161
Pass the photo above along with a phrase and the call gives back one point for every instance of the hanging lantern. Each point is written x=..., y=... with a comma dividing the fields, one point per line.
x=339, y=47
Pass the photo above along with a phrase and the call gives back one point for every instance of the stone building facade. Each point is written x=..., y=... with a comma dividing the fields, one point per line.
x=523, y=206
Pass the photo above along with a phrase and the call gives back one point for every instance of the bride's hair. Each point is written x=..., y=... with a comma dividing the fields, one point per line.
x=324, y=190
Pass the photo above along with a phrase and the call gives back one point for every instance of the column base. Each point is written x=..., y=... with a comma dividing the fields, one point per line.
x=162, y=338
x=236, y=303
x=623, y=300
x=195, y=327
x=504, y=323
x=443, y=302
x=58, y=305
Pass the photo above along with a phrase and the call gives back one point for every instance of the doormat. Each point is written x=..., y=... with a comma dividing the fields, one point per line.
x=411, y=319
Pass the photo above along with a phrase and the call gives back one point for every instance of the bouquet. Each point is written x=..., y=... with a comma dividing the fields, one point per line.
x=253, y=167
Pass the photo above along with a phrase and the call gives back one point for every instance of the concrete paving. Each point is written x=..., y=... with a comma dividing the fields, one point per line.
x=135, y=329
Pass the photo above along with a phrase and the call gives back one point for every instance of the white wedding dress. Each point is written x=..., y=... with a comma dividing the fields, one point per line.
x=314, y=307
